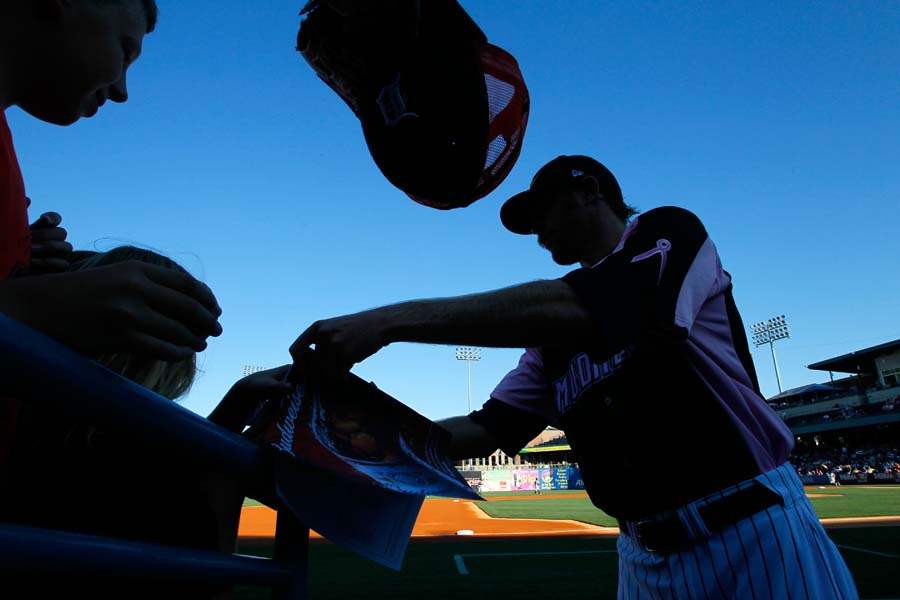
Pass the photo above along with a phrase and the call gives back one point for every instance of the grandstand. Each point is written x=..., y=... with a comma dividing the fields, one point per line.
x=848, y=430
x=868, y=396
x=848, y=427
x=549, y=447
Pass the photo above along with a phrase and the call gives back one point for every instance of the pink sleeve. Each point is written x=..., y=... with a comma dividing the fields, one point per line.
x=525, y=387
x=704, y=279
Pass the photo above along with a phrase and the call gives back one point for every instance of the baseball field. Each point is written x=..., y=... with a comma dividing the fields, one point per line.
x=556, y=545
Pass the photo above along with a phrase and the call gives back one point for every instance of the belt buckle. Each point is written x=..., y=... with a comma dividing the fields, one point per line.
x=638, y=530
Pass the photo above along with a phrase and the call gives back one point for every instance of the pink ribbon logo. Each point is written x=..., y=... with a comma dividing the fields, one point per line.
x=662, y=249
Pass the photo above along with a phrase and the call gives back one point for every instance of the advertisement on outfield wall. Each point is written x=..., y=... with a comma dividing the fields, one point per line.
x=473, y=478
x=852, y=478
x=564, y=477
x=545, y=478
x=814, y=480
x=499, y=480
x=525, y=479
x=561, y=478
x=569, y=478
x=574, y=476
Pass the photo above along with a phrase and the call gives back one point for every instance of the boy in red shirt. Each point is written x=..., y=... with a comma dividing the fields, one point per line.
x=61, y=60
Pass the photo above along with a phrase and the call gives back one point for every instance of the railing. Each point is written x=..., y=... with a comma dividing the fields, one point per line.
x=38, y=370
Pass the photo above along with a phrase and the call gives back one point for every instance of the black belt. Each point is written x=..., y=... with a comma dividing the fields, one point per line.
x=666, y=533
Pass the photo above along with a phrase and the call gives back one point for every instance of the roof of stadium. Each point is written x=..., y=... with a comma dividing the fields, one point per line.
x=554, y=445
x=803, y=389
x=853, y=361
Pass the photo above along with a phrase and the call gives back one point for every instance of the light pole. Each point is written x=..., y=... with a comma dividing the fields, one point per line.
x=251, y=369
x=769, y=332
x=469, y=354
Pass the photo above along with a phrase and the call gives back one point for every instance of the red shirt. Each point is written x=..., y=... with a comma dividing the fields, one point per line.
x=15, y=237
x=15, y=254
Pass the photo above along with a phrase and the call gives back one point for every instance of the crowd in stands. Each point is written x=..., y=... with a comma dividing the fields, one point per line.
x=842, y=412
x=801, y=399
x=821, y=394
x=843, y=461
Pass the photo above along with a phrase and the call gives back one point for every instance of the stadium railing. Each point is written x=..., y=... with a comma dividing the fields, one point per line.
x=38, y=370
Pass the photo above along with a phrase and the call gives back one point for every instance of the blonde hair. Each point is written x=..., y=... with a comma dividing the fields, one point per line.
x=168, y=379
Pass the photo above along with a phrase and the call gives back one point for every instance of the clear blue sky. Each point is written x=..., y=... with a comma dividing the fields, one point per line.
x=776, y=122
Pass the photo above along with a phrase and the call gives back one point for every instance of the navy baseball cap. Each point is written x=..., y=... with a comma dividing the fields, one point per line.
x=443, y=111
x=517, y=213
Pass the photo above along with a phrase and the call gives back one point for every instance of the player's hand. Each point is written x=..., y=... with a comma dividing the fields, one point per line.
x=342, y=342
x=127, y=307
x=243, y=401
x=49, y=249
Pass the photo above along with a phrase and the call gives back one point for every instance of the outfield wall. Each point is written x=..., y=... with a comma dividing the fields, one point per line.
x=568, y=477
x=564, y=477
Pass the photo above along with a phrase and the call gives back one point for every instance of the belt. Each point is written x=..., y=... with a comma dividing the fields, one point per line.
x=667, y=533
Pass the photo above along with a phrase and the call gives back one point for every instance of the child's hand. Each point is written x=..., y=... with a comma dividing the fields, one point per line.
x=126, y=307
x=49, y=249
x=263, y=385
x=243, y=401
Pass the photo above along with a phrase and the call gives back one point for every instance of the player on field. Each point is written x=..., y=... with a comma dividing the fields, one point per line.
x=639, y=353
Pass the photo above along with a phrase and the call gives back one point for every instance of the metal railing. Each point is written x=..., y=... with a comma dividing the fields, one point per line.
x=38, y=370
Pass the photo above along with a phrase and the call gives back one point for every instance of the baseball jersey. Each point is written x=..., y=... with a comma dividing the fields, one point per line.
x=661, y=405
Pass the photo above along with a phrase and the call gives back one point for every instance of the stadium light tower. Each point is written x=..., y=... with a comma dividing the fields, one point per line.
x=769, y=332
x=251, y=369
x=469, y=354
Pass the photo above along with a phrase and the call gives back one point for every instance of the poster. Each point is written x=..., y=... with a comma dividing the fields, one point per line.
x=525, y=479
x=497, y=480
x=355, y=464
x=353, y=429
x=575, y=482
x=545, y=478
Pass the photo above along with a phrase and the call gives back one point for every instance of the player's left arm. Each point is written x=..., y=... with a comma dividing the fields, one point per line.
x=468, y=438
x=656, y=284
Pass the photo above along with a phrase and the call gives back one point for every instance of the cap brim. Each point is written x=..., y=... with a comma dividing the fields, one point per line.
x=516, y=213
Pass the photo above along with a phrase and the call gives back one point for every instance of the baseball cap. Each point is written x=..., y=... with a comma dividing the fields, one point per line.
x=517, y=213
x=443, y=111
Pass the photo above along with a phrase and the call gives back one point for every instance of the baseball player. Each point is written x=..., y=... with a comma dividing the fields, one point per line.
x=640, y=356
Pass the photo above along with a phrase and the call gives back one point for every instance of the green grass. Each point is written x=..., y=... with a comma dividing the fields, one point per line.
x=533, y=495
x=849, y=501
x=845, y=501
x=430, y=571
x=578, y=509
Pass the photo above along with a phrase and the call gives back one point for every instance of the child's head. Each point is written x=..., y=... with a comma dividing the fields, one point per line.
x=169, y=379
x=71, y=56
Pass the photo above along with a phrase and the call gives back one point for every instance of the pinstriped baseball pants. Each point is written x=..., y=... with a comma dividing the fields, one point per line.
x=780, y=553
